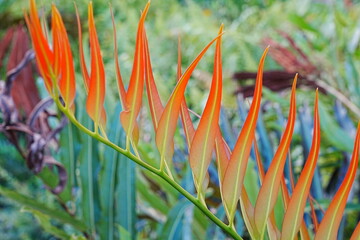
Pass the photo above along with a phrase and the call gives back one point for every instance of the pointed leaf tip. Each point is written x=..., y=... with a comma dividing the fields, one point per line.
x=96, y=94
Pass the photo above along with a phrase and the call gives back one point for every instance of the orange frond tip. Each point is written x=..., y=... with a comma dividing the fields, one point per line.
x=43, y=53
x=63, y=60
x=295, y=80
x=221, y=28
x=96, y=94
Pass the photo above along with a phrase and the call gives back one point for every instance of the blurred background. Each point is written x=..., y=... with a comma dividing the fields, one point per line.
x=317, y=39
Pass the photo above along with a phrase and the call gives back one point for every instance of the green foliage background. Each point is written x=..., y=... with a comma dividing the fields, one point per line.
x=327, y=31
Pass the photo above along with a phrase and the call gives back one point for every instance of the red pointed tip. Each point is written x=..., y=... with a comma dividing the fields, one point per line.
x=221, y=28
x=90, y=8
x=145, y=11
x=295, y=81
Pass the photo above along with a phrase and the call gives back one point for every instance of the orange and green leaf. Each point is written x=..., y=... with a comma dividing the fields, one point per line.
x=269, y=190
x=167, y=124
x=205, y=134
x=188, y=126
x=295, y=210
x=63, y=60
x=96, y=94
x=44, y=55
x=135, y=90
x=273, y=231
x=235, y=172
x=329, y=225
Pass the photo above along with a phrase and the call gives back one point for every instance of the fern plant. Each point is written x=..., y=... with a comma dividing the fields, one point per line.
x=55, y=63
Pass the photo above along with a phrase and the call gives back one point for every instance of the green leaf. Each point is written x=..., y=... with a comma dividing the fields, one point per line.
x=68, y=153
x=301, y=23
x=58, y=215
x=333, y=133
x=150, y=197
x=172, y=228
x=124, y=235
x=88, y=160
x=125, y=193
x=107, y=178
x=45, y=223
x=74, y=237
x=51, y=180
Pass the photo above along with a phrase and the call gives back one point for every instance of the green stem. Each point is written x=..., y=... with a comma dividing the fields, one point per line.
x=227, y=228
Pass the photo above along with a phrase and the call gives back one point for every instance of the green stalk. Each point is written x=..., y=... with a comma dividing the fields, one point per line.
x=161, y=173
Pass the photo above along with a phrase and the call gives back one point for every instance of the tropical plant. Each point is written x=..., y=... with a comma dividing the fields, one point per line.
x=55, y=63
